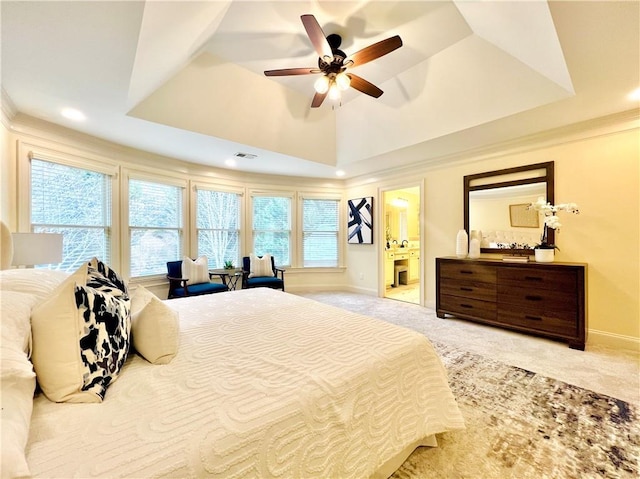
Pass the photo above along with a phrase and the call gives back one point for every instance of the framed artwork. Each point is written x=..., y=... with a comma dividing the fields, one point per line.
x=522, y=216
x=360, y=226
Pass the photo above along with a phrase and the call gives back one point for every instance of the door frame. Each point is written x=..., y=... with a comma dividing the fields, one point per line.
x=382, y=190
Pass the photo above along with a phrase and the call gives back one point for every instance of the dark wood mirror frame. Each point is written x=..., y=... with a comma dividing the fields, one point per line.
x=539, y=173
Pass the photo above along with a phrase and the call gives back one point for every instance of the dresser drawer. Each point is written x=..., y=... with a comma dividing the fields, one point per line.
x=537, y=299
x=468, y=271
x=546, y=322
x=468, y=307
x=468, y=289
x=553, y=279
x=545, y=299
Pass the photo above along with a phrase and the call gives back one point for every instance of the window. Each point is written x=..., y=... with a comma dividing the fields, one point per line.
x=76, y=203
x=272, y=227
x=218, y=226
x=320, y=232
x=155, y=224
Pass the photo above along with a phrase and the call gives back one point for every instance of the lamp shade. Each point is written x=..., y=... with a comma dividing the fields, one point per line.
x=30, y=249
x=321, y=85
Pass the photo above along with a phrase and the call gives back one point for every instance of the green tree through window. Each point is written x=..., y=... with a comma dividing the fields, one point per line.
x=272, y=227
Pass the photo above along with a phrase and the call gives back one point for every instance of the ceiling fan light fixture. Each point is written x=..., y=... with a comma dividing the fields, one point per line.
x=334, y=91
x=343, y=81
x=322, y=84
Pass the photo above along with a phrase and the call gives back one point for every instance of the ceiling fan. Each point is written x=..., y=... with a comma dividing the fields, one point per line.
x=333, y=63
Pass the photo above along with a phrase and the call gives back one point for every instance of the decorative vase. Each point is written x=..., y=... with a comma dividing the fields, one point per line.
x=474, y=248
x=544, y=255
x=462, y=244
x=475, y=234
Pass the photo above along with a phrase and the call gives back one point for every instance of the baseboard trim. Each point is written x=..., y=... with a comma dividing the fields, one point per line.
x=328, y=287
x=617, y=341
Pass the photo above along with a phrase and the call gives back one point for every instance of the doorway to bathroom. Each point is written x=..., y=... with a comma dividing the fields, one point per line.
x=402, y=267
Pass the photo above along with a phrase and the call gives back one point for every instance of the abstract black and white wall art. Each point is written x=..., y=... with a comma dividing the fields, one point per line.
x=361, y=220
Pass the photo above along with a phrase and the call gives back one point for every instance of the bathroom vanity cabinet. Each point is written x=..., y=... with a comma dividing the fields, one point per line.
x=545, y=299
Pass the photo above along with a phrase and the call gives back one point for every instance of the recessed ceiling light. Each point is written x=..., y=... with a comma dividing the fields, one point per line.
x=340, y=173
x=73, y=114
x=635, y=95
x=230, y=162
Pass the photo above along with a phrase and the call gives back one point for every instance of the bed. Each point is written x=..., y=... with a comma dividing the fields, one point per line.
x=262, y=384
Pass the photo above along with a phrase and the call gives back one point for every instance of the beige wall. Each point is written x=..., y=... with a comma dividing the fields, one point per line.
x=597, y=168
x=601, y=174
x=58, y=142
x=7, y=180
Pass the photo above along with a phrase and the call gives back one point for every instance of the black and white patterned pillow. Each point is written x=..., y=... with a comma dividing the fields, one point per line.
x=81, y=338
x=105, y=337
x=101, y=276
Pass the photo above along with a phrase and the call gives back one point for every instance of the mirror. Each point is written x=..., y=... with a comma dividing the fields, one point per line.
x=495, y=203
x=402, y=215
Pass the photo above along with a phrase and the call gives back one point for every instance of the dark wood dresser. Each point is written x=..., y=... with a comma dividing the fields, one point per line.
x=545, y=299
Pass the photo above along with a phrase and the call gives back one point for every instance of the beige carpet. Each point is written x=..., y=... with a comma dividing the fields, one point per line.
x=520, y=424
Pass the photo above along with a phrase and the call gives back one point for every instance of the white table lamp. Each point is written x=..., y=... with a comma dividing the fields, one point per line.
x=30, y=249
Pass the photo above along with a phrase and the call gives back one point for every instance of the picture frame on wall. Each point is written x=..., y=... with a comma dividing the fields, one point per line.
x=360, y=217
x=522, y=216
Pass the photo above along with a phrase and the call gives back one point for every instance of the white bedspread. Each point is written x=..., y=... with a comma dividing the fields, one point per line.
x=265, y=384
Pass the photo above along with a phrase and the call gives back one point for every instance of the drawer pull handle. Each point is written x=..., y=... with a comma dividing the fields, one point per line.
x=464, y=288
x=468, y=306
x=466, y=271
x=533, y=278
x=533, y=298
x=533, y=318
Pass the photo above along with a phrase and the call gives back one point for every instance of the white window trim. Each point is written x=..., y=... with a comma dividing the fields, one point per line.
x=125, y=237
x=200, y=185
x=27, y=151
x=253, y=193
x=307, y=195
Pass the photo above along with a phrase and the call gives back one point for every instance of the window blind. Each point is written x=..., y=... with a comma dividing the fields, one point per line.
x=272, y=227
x=218, y=226
x=75, y=202
x=155, y=225
x=320, y=232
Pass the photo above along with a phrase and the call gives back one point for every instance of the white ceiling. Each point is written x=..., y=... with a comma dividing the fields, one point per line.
x=185, y=79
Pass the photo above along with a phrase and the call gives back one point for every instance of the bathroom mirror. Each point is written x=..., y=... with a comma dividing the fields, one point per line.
x=495, y=203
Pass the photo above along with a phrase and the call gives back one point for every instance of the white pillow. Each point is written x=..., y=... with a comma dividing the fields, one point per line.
x=17, y=381
x=40, y=282
x=15, y=326
x=196, y=271
x=17, y=385
x=260, y=266
x=154, y=327
x=80, y=340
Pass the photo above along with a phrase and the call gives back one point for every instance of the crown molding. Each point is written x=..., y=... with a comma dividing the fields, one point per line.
x=601, y=126
x=49, y=135
x=8, y=110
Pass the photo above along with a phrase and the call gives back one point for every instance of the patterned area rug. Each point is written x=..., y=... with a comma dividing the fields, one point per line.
x=520, y=424
x=523, y=425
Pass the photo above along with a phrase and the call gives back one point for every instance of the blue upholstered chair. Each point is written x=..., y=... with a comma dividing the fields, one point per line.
x=275, y=282
x=180, y=287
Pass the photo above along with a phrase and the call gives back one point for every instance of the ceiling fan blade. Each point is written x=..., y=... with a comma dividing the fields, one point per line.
x=375, y=51
x=291, y=71
x=318, y=98
x=364, y=86
x=317, y=36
